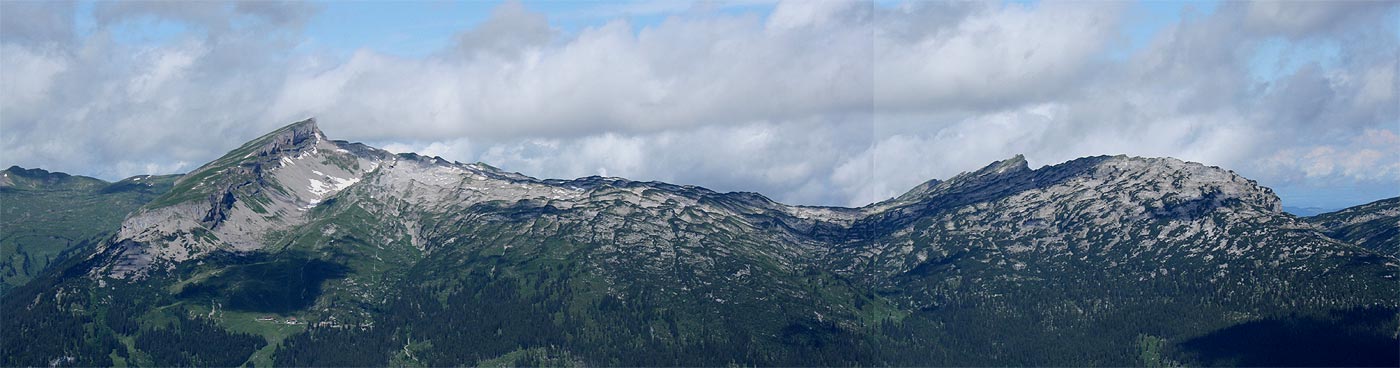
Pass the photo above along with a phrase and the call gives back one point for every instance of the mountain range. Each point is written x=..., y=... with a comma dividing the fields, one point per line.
x=295, y=249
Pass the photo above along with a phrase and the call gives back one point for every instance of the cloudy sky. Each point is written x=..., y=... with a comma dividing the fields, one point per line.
x=809, y=102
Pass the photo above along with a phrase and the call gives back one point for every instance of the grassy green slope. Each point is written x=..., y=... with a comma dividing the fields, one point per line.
x=45, y=215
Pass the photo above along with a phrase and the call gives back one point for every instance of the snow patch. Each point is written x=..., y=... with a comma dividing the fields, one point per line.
x=320, y=188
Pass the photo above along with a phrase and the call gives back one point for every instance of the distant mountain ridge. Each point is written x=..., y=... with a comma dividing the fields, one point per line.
x=401, y=259
x=274, y=181
x=1308, y=211
x=1374, y=226
x=16, y=177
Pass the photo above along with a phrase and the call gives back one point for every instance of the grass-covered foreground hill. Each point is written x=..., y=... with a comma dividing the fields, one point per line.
x=46, y=216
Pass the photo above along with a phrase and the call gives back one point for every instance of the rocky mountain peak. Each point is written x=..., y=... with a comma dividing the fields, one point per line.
x=1170, y=179
x=995, y=171
x=1152, y=187
x=1000, y=177
x=256, y=155
x=290, y=138
x=1014, y=164
x=919, y=191
x=235, y=202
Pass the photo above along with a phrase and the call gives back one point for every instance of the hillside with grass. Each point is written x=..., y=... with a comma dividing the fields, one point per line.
x=48, y=216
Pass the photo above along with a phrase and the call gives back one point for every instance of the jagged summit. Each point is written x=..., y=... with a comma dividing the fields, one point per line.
x=1012, y=165
x=1015, y=163
x=289, y=138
